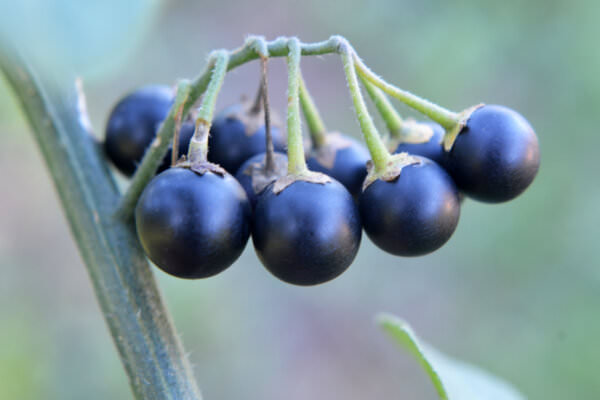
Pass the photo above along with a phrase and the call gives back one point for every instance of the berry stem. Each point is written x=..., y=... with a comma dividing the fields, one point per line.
x=390, y=116
x=154, y=156
x=178, y=119
x=257, y=104
x=316, y=127
x=444, y=117
x=296, y=161
x=198, y=150
x=270, y=149
x=379, y=153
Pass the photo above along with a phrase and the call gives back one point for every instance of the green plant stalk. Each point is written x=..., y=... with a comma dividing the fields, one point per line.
x=198, y=149
x=141, y=327
x=296, y=160
x=183, y=91
x=379, y=153
x=444, y=117
x=315, y=123
x=269, y=148
x=390, y=116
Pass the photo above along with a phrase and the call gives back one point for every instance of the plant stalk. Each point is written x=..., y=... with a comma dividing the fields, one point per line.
x=140, y=325
x=296, y=161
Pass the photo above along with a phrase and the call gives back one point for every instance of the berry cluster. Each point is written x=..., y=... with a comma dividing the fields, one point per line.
x=306, y=213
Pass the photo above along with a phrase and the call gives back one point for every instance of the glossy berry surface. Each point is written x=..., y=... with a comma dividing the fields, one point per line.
x=414, y=214
x=496, y=156
x=307, y=234
x=133, y=123
x=245, y=179
x=233, y=140
x=193, y=226
x=431, y=149
x=347, y=165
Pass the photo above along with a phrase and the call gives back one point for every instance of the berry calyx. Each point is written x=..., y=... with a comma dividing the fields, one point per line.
x=422, y=139
x=342, y=158
x=307, y=234
x=185, y=135
x=413, y=214
x=190, y=225
x=254, y=176
x=495, y=157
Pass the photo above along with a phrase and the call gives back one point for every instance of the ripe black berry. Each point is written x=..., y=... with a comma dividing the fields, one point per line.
x=432, y=149
x=238, y=134
x=414, y=214
x=190, y=225
x=254, y=178
x=342, y=158
x=133, y=123
x=307, y=234
x=496, y=155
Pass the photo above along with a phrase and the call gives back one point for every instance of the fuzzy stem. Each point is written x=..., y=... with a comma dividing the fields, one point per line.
x=379, y=152
x=316, y=127
x=183, y=90
x=390, y=116
x=270, y=149
x=155, y=155
x=198, y=150
x=257, y=103
x=296, y=161
x=444, y=117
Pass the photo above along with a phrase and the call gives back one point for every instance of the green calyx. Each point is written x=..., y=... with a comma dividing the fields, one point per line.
x=392, y=170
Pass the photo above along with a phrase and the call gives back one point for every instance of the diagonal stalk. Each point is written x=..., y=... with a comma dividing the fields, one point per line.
x=141, y=327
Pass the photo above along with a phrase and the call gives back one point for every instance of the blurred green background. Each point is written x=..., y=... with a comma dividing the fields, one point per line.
x=516, y=290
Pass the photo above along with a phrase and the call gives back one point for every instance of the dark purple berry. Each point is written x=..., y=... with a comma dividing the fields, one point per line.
x=193, y=226
x=307, y=234
x=133, y=123
x=414, y=214
x=496, y=156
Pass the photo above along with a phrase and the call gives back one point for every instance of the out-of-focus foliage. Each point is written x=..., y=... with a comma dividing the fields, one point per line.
x=453, y=379
x=515, y=291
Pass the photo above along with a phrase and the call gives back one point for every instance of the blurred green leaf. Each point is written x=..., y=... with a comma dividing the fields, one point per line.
x=89, y=37
x=453, y=379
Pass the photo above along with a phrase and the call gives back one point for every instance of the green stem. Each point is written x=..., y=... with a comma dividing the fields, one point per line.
x=296, y=161
x=198, y=149
x=444, y=117
x=129, y=298
x=390, y=116
x=316, y=127
x=269, y=148
x=379, y=153
x=183, y=91
x=155, y=155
